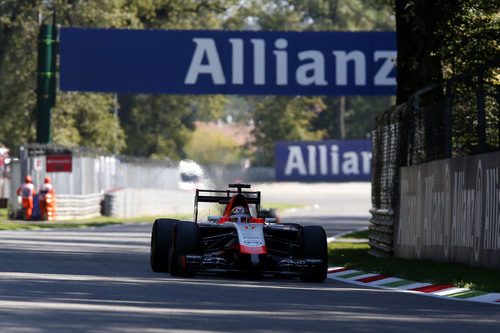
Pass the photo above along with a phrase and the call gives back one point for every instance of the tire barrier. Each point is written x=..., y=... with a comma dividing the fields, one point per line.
x=381, y=230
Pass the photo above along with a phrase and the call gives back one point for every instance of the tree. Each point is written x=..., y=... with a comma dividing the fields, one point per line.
x=157, y=129
x=160, y=126
x=84, y=118
x=418, y=63
x=209, y=147
x=338, y=117
x=78, y=119
x=438, y=39
x=283, y=118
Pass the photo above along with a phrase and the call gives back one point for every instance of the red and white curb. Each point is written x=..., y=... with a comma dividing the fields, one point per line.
x=392, y=283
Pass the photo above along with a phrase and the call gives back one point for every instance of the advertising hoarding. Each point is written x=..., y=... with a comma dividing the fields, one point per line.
x=330, y=161
x=227, y=62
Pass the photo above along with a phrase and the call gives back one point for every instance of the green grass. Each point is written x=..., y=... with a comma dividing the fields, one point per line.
x=356, y=235
x=6, y=224
x=4, y=213
x=91, y=222
x=354, y=255
x=17, y=226
x=282, y=206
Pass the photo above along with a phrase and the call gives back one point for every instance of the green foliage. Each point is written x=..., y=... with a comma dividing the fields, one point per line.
x=463, y=34
x=161, y=126
x=209, y=147
x=439, y=39
x=283, y=118
x=78, y=119
x=467, y=34
x=238, y=108
x=361, y=235
x=17, y=97
x=156, y=127
x=361, y=112
x=87, y=119
x=277, y=118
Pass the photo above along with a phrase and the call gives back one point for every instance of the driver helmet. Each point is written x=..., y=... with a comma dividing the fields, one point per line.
x=239, y=214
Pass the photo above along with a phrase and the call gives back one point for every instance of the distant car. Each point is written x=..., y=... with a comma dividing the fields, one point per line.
x=236, y=241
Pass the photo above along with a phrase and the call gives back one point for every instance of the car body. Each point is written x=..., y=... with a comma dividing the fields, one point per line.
x=226, y=243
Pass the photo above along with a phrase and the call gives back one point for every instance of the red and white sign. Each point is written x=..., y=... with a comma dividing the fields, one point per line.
x=59, y=163
x=37, y=163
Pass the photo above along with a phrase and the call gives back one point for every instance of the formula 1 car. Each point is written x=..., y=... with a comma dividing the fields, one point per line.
x=237, y=241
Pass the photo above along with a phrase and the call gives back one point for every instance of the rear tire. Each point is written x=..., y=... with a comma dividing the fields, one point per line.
x=314, y=246
x=185, y=240
x=161, y=237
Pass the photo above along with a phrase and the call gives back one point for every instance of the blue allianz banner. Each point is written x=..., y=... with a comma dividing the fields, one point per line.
x=329, y=161
x=227, y=62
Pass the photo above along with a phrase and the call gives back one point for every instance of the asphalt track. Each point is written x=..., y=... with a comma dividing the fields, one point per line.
x=99, y=280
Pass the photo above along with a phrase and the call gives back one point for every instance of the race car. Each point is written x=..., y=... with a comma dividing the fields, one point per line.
x=239, y=240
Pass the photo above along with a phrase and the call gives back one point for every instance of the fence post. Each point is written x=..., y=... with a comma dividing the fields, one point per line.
x=498, y=103
x=447, y=121
x=481, y=115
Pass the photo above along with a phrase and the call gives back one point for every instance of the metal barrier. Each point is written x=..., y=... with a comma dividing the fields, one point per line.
x=147, y=187
x=69, y=207
x=147, y=202
x=93, y=171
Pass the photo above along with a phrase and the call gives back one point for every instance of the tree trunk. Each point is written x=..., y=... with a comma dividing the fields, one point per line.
x=418, y=40
x=342, y=133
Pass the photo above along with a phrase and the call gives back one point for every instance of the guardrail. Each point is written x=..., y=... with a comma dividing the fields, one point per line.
x=381, y=227
x=69, y=206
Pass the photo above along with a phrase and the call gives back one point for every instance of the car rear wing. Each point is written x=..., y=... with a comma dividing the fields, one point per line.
x=223, y=197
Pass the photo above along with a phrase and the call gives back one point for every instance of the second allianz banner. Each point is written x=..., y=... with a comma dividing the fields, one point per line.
x=331, y=160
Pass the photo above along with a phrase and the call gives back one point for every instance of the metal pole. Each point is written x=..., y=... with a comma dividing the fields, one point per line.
x=342, y=131
x=46, y=80
x=115, y=114
x=498, y=115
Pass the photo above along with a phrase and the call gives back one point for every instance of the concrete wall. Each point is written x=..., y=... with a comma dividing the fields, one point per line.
x=450, y=211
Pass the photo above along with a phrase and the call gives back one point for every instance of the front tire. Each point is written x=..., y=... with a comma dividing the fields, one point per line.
x=161, y=237
x=185, y=240
x=314, y=246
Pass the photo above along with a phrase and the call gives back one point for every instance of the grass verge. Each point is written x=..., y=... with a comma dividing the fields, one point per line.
x=99, y=221
x=356, y=235
x=4, y=213
x=354, y=255
x=282, y=206
x=6, y=224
